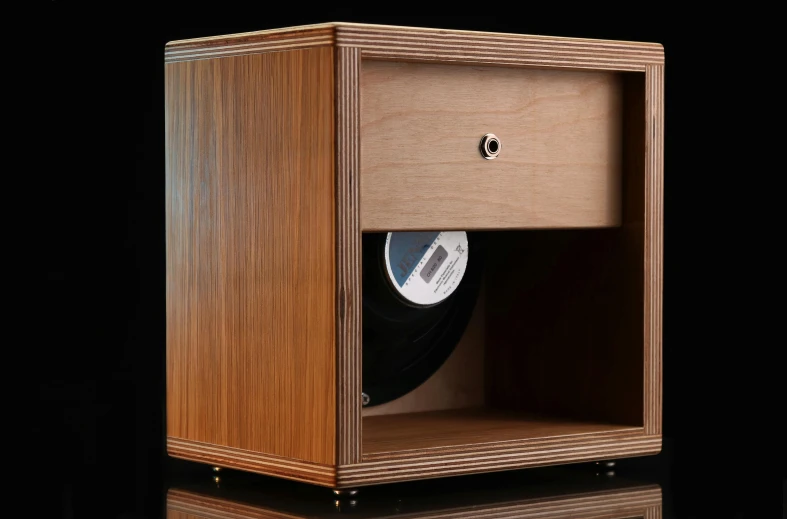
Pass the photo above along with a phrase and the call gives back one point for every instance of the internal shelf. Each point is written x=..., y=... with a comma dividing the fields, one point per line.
x=413, y=431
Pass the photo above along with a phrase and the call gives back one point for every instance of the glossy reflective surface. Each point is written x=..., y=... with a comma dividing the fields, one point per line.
x=677, y=483
x=559, y=492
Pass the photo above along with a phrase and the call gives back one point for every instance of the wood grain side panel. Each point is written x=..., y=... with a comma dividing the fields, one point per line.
x=250, y=253
x=559, y=164
x=318, y=474
x=348, y=256
x=654, y=218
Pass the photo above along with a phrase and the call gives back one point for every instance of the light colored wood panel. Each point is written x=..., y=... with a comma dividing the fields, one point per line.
x=433, y=45
x=459, y=383
x=348, y=256
x=654, y=218
x=250, y=253
x=467, y=427
x=250, y=461
x=559, y=165
x=406, y=447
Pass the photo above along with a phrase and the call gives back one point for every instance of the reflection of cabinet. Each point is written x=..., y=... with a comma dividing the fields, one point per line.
x=283, y=147
x=598, y=499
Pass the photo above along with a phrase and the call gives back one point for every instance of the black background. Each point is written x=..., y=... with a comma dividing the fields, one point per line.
x=99, y=242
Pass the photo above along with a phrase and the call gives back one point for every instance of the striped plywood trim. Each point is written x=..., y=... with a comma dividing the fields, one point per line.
x=249, y=43
x=465, y=459
x=415, y=44
x=654, y=215
x=241, y=459
x=610, y=504
x=439, y=45
x=348, y=256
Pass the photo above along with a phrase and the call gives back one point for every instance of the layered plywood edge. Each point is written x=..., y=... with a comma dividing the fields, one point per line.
x=348, y=255
x=654, y=243
x=437, y=45
x=347, y=465
x=496, y=456
x=252, y=461
x=425, y=463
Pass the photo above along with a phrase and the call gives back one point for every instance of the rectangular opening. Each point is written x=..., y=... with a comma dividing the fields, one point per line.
x=554, y=346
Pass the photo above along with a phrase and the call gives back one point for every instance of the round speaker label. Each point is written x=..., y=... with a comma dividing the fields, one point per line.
x=426, y=267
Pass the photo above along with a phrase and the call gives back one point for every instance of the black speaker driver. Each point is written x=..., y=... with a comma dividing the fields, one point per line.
x=405, y=344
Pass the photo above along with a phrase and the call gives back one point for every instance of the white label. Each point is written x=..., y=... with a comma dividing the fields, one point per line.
x=426, y=267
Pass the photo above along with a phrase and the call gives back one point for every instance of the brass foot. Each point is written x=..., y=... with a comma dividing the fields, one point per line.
x=345, y=492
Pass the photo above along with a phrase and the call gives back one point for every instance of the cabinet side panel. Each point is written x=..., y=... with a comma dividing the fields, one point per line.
x=250, y=253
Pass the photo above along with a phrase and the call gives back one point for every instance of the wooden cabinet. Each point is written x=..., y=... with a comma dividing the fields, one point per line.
x=283, y=147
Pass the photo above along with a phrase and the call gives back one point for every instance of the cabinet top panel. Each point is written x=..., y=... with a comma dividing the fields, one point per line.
x=425, y=44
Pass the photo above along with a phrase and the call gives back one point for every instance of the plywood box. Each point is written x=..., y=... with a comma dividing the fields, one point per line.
x=284, y=146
